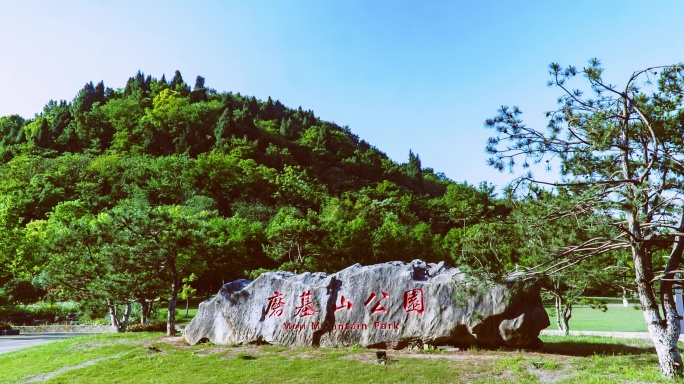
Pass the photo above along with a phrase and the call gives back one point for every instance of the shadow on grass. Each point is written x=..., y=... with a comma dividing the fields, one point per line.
x=583, y=349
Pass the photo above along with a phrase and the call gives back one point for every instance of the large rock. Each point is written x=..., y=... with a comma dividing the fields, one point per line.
x=383, y=305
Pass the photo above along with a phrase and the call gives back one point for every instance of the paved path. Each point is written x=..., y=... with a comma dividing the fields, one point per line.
x=623, y=335
x=14, y=342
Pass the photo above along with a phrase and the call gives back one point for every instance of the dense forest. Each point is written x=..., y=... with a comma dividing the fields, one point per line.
x=157, y=189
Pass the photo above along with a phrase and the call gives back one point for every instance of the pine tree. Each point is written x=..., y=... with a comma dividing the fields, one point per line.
x=199, y=93
x=413, y=167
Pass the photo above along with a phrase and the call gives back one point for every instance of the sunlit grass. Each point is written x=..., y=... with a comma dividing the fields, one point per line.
x=616, y=319
x=127, y=358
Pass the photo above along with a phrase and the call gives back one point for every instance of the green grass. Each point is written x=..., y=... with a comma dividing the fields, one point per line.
x=616, y=319
x=181, y=319
x=126, y=358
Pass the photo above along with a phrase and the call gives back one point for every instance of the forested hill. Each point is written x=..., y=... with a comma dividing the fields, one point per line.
x=119, y=179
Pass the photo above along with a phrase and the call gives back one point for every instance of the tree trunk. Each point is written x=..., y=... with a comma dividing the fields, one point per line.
x=143, y=311
x=563, y=315
x=147, y=306
x=113, y=316
x=665, y=335
x=119, y=325
x=126, y=316
x=187, y=307
x=171, y=316
x=664, y=332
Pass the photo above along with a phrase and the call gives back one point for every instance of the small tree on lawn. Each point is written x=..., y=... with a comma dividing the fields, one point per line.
x=167, y=240
x=621, y=148
x=88, y=259
x=188, y=292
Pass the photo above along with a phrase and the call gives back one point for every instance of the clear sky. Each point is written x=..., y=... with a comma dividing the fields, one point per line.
x=403, y=75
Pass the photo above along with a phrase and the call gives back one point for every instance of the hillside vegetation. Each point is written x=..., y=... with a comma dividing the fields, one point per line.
x=122, y=195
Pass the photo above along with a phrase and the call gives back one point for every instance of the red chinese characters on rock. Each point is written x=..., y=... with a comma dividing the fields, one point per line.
x=344, y=304
x=413, y=301
x=377, y=307
x=305, y=309
x=275, y=305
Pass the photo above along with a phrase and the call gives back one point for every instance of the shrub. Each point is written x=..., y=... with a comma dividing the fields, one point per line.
x=96, y=321
x=5, y=326
x=22, y=292
x=25, y=314
x=156, y=326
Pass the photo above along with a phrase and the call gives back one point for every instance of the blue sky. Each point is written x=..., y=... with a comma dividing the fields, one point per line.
x=403, y=75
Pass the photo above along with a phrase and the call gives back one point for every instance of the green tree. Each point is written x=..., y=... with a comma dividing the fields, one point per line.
x=86, y=260
x=138, y=86
x=297, y=188
x=414, y=168
x=168, y=121
x=62, y=130
x=166, y=239
x=199, y=93
x=543, y=228
x=124, y=115
x=188, y=292
x=94, y=130
x=11, y=130
x=178, y=85
x=130, y=253
x=20, y=291
x=237, y=247
x=288, y=129
x=228, y=179
x=293, y=239
x=89, y=95
x=620, y=148
x=392, y=240
x=346, y=239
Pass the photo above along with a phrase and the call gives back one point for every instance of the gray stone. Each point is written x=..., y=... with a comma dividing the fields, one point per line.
x=383, y=305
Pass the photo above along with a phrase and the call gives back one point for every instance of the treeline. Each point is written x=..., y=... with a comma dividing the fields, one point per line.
x=121, y=195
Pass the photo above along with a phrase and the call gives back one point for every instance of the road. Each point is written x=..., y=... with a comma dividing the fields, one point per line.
x=12, y=343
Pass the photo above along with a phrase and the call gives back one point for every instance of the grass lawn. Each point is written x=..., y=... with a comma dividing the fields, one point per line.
x=127, y=358
x=616, y=319
x=181, y=319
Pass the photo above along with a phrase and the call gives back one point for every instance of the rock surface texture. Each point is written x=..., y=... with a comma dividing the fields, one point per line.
x=382, y=305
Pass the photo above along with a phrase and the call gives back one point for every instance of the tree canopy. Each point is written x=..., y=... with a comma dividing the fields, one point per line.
x=620, y=154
